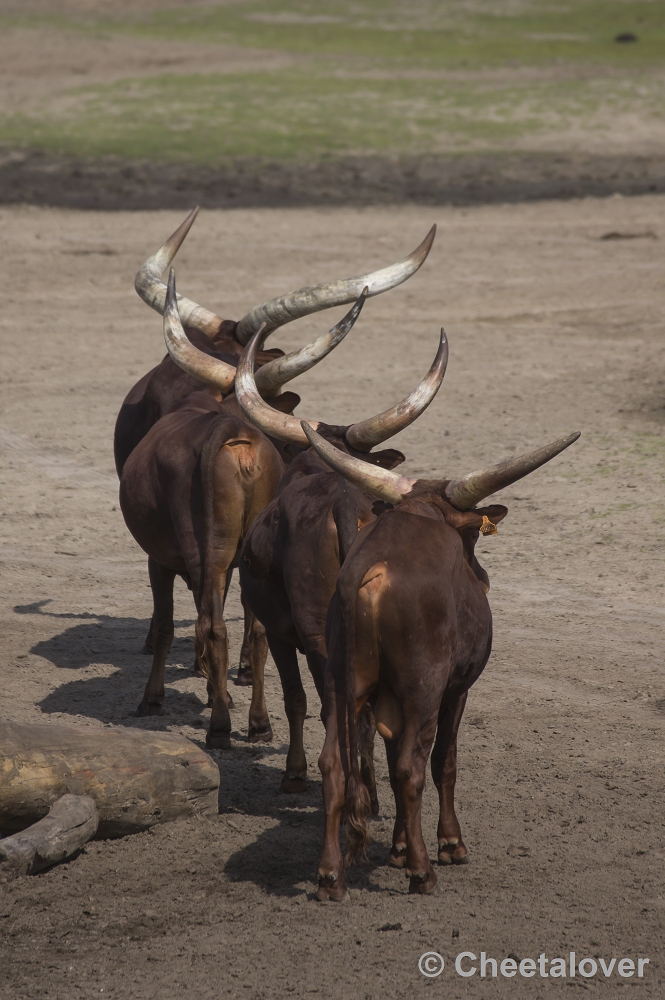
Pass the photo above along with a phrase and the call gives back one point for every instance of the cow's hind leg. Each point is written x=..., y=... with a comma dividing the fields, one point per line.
x=410, y=774
x=161, y=630
x=212, y=651
x=332, y=884
x=250, y=637
x=148, y=646
x=397, y=856
x=259, y=721
x=295, y=704
x=452, y=850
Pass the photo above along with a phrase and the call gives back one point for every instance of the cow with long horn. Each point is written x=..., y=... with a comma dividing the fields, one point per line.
x=189, y=491
x=223, y=340
x=218, y=343
x=409, y=629
x=292, y=553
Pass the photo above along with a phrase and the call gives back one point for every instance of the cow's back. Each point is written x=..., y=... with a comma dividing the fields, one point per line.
x=412, y=597
x=194, y=476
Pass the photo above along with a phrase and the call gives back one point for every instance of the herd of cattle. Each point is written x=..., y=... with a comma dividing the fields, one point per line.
x=370, y=574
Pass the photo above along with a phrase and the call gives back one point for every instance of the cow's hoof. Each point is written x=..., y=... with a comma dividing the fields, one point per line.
x=397, y=857
x=260, y=734
x=218, y=741
x=453, y=853
x=331, y=887
x=244, y=678
x=196, y=669
x=147, y=708
x=294, y=784
x=422, y=883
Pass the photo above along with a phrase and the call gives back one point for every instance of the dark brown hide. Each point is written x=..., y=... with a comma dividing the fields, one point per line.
x=160, y=389
x=288, y=569
x=164, y=389
x=189, y=492
x=409, y=629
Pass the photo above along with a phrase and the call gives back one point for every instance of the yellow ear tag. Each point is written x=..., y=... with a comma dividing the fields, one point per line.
x=487, y=528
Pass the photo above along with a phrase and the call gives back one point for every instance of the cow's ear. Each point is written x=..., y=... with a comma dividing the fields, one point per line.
x=387, y=459
x=494, y=513
x=483, y=516
x=285, y=403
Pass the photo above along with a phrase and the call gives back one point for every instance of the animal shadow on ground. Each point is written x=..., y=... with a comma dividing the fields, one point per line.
x=100, y=641
x=283, y=858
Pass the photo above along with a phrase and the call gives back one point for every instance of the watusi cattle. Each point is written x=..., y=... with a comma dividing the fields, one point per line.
x=223, y=340
x=410, y=630
x=293, y=551
x=189, y=492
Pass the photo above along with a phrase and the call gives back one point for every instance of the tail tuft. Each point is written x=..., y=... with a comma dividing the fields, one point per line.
x=357, y=808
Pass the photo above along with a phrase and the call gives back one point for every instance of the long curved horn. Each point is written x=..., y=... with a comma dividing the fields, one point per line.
x=273, y=375
x=284, y=309
x=151, y=288
x=467, y=492
x=282, y=426
x=367, y=433
x=212, y=371
x=372, y=478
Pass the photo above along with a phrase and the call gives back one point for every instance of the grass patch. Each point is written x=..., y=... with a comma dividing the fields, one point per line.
x=203, y=118
x=459, y=33
x=365, y=80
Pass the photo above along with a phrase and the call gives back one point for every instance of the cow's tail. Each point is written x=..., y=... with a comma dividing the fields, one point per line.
x=215, y=439
x=357, y=805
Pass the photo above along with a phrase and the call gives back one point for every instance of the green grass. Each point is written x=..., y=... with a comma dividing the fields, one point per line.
x=450, y=34
x=354, y=85
x=292, y=114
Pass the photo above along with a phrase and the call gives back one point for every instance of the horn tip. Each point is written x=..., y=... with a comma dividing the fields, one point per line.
x=426, y=245
x=170, y=290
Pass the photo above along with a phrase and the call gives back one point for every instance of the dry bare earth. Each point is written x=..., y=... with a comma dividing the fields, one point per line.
x=552, y=328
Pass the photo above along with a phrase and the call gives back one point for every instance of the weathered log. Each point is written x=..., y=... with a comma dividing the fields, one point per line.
x=136, y=778
x=70, y=824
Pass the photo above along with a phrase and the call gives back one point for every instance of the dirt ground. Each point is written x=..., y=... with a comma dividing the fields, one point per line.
x=555, y=320
x=112, y=183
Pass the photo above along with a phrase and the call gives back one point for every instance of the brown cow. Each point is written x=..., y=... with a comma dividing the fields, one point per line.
x=188, y=492
x=223, y=340
x=292, y=553
x=323, y=514
x=409, y=629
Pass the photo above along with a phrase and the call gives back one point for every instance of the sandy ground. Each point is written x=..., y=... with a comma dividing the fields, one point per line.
x=40, y=63
x=552, y=328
